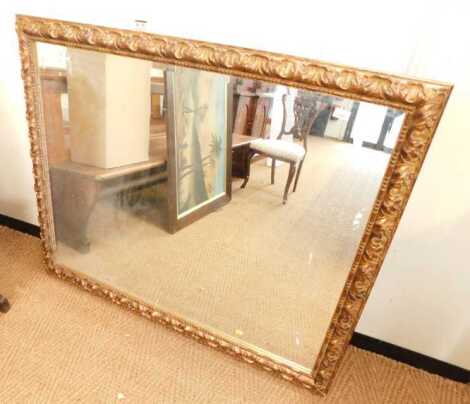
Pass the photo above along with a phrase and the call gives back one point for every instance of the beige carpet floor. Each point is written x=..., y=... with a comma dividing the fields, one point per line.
x=259, y=271
x=59, y=344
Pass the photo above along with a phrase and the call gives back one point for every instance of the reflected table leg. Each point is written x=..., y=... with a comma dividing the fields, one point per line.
x=74, y=197
x=241, y=162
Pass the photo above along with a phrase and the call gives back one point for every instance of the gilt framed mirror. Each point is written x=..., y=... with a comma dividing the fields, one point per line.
x=243, y=198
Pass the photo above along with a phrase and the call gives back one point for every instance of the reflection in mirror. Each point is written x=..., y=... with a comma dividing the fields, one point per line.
x=236, y=204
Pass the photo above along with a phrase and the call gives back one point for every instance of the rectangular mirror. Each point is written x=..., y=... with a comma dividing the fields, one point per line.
x=250, y=211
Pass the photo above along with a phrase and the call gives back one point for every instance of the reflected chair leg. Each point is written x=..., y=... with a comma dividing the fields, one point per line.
x=273, y=170
x=248, y=157
x=297, y=175
x=289, y=181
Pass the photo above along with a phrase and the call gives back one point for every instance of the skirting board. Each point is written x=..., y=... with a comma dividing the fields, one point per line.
x=365, y=342
x=411, y=358
x=19, y=225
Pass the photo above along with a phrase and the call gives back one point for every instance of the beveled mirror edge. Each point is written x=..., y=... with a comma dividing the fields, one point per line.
x=424, y=101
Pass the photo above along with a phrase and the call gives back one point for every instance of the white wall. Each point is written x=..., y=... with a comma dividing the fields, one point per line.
x=421, y=296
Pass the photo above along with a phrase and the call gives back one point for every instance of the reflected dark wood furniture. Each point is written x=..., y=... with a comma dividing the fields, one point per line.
x=305, y=112
x=240, y=154
x=4, y=304
x=157, y=115
x=244, y=106
x=252, y=107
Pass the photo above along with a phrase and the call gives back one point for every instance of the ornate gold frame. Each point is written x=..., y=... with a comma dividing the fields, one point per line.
x=424, y=102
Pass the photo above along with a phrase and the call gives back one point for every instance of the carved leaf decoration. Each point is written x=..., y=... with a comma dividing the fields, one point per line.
x=347, y=80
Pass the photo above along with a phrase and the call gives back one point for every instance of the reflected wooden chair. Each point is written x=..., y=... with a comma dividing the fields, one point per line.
x=292, y=152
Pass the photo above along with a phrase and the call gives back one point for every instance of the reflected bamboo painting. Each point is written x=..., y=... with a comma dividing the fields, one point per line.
x=200, y=130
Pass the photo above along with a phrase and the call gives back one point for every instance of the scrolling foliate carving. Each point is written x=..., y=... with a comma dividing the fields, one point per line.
x=33, y=130
x=423, y=101
x=212, y=56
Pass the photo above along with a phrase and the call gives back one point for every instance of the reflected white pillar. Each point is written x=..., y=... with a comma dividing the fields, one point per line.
x=109, y=108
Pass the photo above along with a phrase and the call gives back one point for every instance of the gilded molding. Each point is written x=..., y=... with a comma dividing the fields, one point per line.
x=424, y=101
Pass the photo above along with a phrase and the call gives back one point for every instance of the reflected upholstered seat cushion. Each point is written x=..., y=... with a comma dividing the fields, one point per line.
x=281, y=149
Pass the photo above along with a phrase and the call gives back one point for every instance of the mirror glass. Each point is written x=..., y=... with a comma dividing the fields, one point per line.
x=169, y=185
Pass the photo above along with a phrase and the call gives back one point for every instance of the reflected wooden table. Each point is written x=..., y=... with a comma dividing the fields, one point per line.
x=240, y=154
x=76, y=188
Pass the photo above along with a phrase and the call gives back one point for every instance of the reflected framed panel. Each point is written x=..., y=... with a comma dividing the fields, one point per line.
x=198, y=138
